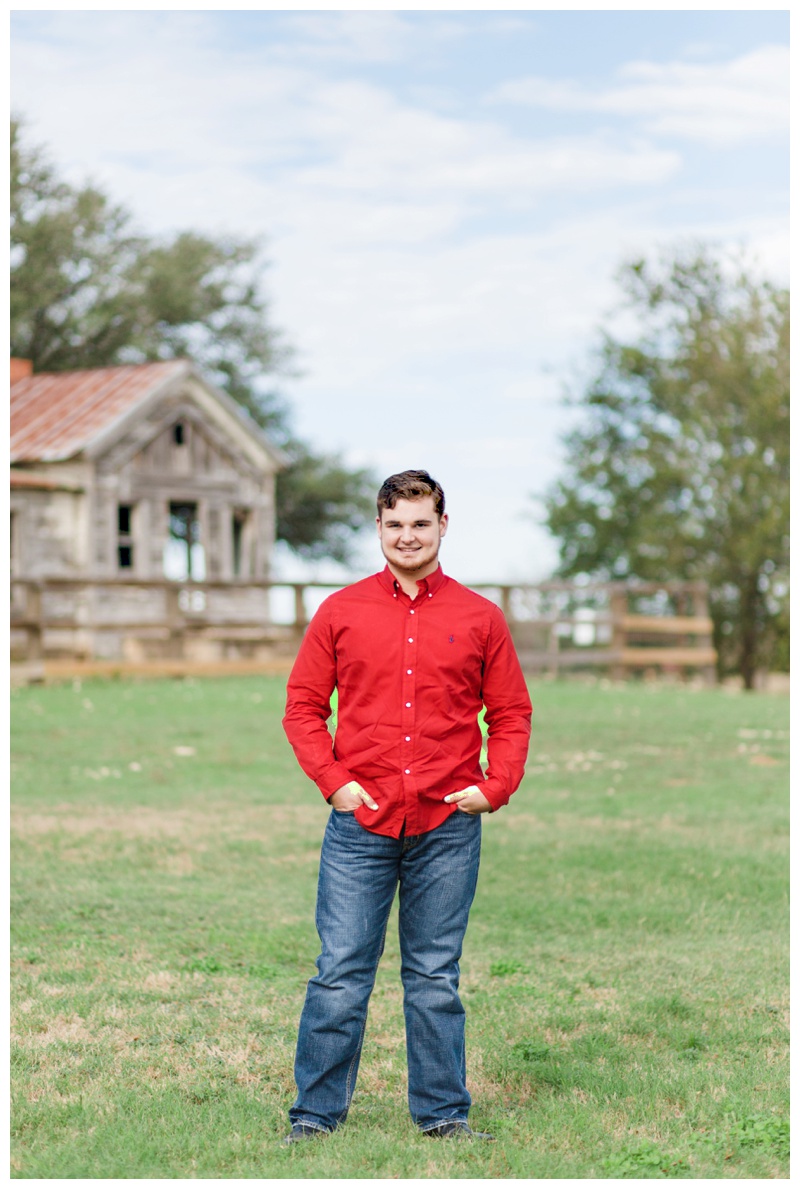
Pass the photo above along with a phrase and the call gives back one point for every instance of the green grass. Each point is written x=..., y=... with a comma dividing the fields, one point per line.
x=625, y=970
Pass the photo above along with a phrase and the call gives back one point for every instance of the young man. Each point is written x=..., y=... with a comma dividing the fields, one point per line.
x=414, y=656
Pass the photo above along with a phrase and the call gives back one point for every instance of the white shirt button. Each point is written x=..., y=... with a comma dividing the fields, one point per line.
x=409, y=671
x=408, y=738
x=408, y=703
x=411, y=612
x=411, y=639
x=430, y=596
x=408, y=771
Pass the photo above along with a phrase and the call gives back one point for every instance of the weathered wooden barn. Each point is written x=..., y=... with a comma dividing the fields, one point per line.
x=142, y=515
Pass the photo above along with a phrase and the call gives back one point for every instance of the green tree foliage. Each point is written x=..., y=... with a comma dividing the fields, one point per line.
x=321, y=507
x=679, y=467
x=87, y=290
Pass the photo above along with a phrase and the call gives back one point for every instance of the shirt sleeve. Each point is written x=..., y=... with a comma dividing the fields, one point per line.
x=308, y=705
x=508, y=715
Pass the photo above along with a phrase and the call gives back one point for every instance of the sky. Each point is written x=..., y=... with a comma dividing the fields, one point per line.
x=445, y=197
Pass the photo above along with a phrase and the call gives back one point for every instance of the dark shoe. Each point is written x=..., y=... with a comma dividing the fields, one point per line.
x=456, y=1129
x=302, y=1131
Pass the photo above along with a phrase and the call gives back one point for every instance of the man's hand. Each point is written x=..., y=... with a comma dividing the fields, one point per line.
x=351, y=796
x=470, y=800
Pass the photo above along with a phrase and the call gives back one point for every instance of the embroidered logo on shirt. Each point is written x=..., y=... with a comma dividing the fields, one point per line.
x=452, y=639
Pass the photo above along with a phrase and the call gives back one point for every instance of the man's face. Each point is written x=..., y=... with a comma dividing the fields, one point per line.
x=410, y=534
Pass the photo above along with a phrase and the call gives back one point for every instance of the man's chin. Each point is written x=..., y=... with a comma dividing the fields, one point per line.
x=410, y=562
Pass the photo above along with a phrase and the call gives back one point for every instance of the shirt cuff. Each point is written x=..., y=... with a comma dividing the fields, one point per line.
x=335, y=777
x=495, y=796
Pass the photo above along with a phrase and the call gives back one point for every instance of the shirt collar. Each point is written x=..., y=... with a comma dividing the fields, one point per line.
x=429, y=585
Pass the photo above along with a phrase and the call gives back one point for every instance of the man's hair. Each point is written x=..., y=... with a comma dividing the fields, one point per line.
x=410, y=485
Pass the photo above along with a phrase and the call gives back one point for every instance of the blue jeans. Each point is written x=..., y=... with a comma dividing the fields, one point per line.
x=359, y=873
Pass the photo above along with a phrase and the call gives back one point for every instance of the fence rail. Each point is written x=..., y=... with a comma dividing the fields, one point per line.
x=556, y=626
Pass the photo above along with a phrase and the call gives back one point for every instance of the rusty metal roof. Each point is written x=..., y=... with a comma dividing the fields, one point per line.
x=40, y=483
x=54, y=415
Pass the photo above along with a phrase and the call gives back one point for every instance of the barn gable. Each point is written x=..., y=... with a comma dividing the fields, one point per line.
x=174, y=436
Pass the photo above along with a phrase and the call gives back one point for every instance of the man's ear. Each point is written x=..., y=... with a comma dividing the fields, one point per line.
x=443, y=522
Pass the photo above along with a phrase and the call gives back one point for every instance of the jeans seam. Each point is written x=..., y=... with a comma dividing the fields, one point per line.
x=357, y=1054
x=308, y=1123
x=348, y=1091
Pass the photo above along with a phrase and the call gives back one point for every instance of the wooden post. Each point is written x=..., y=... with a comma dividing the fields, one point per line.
x=33, y=615
x=700, y=608
x=300, y=614
x=552, y=649
x=619, y=637
x=680, y=605
x=175, y=621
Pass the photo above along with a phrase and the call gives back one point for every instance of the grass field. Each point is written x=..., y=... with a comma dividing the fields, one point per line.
x=625, y=970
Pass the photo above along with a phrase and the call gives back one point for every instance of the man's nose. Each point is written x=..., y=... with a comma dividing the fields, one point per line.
x=407, y=534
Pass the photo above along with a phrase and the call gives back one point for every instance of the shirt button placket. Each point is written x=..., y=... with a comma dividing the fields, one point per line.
x=409, y=685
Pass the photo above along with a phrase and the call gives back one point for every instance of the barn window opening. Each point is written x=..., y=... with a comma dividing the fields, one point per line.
x=125, y=536
x=184, y=556
x=177, y=433
x=239, y=523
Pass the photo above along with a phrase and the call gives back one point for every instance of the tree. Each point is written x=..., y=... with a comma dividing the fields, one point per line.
x=321, y=505
x=89, y=291
x=680, y=465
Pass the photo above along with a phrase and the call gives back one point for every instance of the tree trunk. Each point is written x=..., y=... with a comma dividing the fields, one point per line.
x=748, y=651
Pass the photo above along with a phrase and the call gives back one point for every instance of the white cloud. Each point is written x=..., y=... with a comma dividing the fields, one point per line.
x=279, y=139
x=349, y=36
x=366, y=36
x=717, y=103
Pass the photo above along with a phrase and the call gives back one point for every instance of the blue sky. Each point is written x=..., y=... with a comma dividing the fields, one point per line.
x=446, y=197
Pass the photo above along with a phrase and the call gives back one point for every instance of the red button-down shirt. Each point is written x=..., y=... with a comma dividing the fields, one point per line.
x=411, y=678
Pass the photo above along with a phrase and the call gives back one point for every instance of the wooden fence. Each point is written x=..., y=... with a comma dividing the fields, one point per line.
x=557, y=626
x=620, y=628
